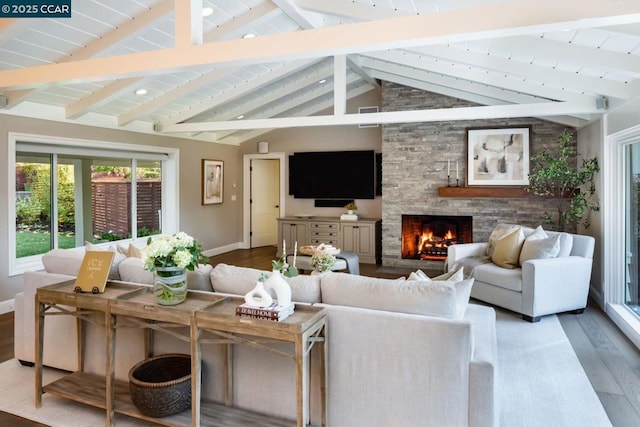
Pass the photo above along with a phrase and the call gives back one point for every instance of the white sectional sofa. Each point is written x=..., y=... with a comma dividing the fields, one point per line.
x=545, y=275
x=400, y=352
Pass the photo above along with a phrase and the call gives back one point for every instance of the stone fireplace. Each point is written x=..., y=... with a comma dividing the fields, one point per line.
x=414, y=166
x=427, y=237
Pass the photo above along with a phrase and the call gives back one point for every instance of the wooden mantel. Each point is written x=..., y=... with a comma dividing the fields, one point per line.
x=489, y=191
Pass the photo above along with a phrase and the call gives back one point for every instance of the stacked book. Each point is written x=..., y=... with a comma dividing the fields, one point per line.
x=273, y=312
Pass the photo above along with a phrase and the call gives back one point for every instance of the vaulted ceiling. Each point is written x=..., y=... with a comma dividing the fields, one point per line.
x=255, y=65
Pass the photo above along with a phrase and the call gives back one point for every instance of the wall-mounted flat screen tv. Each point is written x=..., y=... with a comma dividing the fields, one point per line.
x=333, y=175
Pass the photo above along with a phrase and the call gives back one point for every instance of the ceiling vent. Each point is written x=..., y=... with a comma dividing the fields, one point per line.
x=365, y=110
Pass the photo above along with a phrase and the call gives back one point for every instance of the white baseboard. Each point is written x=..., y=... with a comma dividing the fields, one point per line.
x=223, y=249
x=7, y=306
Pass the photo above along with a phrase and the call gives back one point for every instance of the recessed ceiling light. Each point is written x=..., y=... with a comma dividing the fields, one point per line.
x=207, y=11
x=141, y=91
x=323, y=81
x=248, y=36
x=241, y=116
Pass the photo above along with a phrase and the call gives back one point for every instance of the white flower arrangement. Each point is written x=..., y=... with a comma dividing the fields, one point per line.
x=322, y=261
x=179, y=250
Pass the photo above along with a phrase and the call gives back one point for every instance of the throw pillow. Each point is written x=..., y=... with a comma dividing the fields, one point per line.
x=418, y=275
x=454, y=276
x=498, y=233
x=566, y=244
x=539, y=245
x=463, y=293
x=130, y=251
x=506, y=253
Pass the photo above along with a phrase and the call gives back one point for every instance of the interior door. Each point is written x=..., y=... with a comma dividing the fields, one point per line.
x=265, y=201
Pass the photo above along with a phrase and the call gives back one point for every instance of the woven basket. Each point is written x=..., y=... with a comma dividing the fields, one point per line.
x=161, y=385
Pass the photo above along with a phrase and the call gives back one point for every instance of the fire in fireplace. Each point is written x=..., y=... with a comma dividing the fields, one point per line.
x=427, y=237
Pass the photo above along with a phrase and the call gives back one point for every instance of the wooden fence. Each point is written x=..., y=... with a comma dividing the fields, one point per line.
x=111, y=206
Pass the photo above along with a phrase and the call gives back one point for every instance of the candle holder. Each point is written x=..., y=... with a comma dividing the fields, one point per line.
x=457, y=182
x=448, y=180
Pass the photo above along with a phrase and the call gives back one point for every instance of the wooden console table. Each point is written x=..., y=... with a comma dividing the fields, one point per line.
x=200, y=311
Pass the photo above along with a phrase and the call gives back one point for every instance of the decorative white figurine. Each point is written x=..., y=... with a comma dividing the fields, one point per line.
x=258, y=296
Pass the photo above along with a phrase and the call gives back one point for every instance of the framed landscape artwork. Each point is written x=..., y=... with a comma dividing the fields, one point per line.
x=212, y=181
x=498, y=156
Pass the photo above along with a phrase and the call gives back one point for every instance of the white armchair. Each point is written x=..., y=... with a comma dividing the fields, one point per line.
x=539, y=287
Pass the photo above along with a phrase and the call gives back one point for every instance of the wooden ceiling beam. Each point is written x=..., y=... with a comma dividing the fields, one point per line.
x=487, y=21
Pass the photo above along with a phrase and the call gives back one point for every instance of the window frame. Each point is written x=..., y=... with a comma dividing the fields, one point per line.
x=62, y=145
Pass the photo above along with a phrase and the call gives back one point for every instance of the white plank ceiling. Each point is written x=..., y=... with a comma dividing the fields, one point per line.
x=562, y=60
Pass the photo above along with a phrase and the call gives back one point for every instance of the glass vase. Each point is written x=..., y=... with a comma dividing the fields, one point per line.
x=170, y=285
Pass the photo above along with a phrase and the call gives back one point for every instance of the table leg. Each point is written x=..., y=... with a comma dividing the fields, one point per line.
x=196, y=373
x=228, y=363
x=302, y=400
x=324, y=354
x=39, y=343
x=110, y=323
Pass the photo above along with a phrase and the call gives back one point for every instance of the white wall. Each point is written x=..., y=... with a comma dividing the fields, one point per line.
x=590, y=140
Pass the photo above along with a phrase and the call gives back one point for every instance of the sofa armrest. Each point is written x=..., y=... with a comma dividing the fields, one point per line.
x=464, y=250
x=483, y=375
x=554, y=285
x=61, y=335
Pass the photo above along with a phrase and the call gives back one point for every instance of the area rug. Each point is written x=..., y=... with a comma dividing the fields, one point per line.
x=541, y=384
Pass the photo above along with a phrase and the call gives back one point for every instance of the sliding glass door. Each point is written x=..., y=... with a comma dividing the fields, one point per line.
x=632, y=225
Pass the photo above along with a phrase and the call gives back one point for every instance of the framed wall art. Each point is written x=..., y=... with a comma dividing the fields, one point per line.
x=498, y=156
x=212, y=181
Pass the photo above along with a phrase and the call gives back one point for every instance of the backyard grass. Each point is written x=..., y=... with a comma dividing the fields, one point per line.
x=33, y=243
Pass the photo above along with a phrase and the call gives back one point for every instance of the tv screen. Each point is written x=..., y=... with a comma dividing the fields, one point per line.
x=333, y=175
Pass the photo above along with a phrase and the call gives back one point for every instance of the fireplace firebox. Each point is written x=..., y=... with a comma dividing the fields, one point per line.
x=427, y=237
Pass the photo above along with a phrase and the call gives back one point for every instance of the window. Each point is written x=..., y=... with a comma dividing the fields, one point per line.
x=66, y=194
x=632, y=221
x=621, y=166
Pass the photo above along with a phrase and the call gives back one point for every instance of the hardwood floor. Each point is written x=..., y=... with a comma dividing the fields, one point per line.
x=610, y=360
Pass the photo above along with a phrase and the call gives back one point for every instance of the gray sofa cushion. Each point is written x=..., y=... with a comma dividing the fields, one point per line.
x=429, y=298
x=132, y=270
x=67, y=261
x=231, y=279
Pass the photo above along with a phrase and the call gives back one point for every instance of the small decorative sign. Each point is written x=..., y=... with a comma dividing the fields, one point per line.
x=94, y=271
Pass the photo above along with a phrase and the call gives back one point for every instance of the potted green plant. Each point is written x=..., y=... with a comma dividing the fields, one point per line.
x=556, y=175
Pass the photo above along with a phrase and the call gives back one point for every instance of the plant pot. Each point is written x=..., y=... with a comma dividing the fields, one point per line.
x=170, y=285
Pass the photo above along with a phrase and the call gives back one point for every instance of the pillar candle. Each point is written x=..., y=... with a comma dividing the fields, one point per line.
x=295, y=252
x=456, y=170
x=448, y=167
